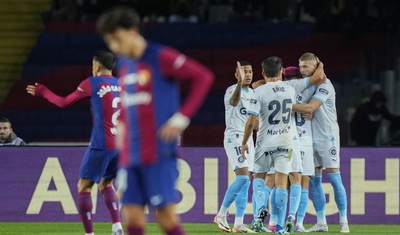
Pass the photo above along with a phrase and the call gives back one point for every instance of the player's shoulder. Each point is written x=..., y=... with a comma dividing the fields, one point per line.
x=230, y=89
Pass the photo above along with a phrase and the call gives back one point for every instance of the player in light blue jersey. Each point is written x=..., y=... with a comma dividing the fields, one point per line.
x=326, y=144
x=236, y=100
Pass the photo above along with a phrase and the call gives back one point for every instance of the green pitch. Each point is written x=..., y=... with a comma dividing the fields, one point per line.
x=152, y=229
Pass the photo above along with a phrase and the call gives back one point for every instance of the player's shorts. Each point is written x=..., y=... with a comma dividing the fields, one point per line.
x=307, y=159
x=233, y=146
x=326, y=153
x=279, y=158
x=99, y=163
x=297, y=164
x=152, y=185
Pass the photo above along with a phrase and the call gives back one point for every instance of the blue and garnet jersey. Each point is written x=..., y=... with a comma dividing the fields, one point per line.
x=105, y=103
x=150, y=96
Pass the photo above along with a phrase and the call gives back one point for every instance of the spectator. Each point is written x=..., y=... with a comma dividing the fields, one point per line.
x=367, y=119
x=7, y=136
x=183, y=11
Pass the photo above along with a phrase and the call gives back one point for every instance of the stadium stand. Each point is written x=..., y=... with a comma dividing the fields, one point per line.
x=62, y=55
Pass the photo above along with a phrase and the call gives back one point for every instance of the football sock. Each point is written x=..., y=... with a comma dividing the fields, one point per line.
x=177, y=230
x=241, y=203
x=259, y=196
x=232, y=192
x=281, y=199
x=111, y=200
x=134, y=230
x=294, y=201
x=85, y=210
x=301, y=212
x=273, y=218
x=340, y=195
x=318, y=197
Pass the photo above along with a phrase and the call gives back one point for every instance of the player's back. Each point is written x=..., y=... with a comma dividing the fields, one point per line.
x=105, y=110
x=275, y=111
x=236, y=117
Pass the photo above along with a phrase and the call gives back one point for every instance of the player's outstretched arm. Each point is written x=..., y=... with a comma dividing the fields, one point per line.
x=43, y=91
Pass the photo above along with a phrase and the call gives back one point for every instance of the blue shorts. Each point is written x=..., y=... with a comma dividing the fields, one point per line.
x=152, y=185
x=99, y=163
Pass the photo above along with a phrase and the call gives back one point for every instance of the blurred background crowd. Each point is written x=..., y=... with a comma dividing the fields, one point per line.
x=52, y=42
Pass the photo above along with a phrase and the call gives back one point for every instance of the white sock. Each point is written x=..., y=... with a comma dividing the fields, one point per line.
x=89, y=233
x=321, y=220
x=223, y=211
x=343, y=220
x=116, y=226
x=238, y=221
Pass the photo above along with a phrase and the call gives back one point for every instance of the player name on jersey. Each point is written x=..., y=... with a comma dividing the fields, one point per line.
x=105, y=89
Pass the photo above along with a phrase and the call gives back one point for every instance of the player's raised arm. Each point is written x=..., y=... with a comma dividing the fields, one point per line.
x=235, y=98
x=43, y=91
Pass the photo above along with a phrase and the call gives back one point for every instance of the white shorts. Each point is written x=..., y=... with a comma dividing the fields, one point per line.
x=233, y=146
x=279, y=158
x=297, y=164
x=326, y=153
x=307, y=159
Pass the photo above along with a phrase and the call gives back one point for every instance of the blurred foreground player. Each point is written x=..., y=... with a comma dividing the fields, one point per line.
x=151, y=118
x=99, y=165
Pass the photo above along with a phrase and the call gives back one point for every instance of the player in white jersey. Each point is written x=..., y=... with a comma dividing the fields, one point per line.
x=236, y=100
x=272, y=103
x=304, y=88
x=326, y=144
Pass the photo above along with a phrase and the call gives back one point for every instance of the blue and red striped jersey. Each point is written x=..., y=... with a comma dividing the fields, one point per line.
x=150, y=96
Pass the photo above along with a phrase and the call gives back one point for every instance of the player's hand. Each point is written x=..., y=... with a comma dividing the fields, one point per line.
x=31, y=89
x=168, y=133
x=258, y=83
x=307, y=116
x=244, y=150
x=240, y=72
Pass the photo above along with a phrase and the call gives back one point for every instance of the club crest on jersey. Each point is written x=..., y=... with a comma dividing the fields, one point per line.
x=278, y=88
x=253, y=101
x=144, y=77
x=322, y=90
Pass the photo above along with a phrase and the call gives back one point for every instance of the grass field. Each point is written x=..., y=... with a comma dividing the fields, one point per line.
x=152, y=229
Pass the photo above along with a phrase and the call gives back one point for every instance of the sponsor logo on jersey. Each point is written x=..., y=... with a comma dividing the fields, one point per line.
x=322, y=90
x=253, y=101
x=278, y=150
x=240, y=159
x=278, y=132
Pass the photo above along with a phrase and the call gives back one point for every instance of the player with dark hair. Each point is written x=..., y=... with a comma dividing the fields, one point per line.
x=7, y=135
x=99, y=164
x=236, y=100
x=151, y=118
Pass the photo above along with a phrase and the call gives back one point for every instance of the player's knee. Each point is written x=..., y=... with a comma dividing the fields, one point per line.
x=84, y=185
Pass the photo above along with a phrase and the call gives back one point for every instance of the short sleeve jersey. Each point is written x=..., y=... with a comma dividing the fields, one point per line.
x=324, y=123
x=236, y=117
x=273, y=102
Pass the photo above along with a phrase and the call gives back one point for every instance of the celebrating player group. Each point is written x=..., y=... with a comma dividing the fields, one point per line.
x=294, y=113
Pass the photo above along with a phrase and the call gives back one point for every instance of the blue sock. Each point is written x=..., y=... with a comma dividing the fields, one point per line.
x=281, y=199
x=340, y=192
x=273, y=218
x=258, y=196
x=241, y=199
x=318, y=197
x=233, y=190
x=295, y=194
x=301, y=212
